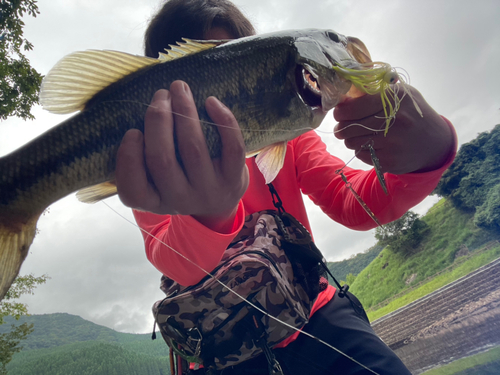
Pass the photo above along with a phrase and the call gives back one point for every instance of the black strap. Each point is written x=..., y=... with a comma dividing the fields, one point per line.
x=342, y=290
x=258, y=331
x=276, y=199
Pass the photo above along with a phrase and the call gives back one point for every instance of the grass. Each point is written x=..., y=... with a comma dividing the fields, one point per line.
x=392, y=273
x=471, y=264
x=489, y=359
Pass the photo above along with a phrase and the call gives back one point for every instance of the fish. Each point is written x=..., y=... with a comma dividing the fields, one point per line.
x=278, y=86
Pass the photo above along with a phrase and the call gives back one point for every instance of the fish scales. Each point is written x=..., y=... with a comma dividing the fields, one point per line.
x=65, y=155
x=257, y=78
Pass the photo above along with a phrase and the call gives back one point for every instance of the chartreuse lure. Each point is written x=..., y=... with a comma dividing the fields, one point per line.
x=378, y=78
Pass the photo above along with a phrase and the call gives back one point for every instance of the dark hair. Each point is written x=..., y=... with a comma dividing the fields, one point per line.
x=179, y=19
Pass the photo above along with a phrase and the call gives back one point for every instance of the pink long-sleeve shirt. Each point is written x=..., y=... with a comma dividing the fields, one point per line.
x=310, y=169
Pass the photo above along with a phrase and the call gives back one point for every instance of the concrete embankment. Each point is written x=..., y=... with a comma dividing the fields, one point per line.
x=455, y=321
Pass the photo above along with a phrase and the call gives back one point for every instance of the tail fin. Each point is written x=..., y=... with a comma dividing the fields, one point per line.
x=15, y=242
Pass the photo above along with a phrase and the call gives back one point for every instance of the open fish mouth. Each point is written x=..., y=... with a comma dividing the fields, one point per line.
x=319, y=92
x=308, y=87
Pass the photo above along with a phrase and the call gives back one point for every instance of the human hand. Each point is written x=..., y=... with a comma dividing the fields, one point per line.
x=413, y=143
x=209, y=189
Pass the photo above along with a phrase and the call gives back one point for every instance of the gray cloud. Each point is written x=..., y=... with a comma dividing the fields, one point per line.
x=96, y=259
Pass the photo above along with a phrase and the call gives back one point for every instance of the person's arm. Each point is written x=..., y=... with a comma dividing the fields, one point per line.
x=202, y=194
x=168, y=236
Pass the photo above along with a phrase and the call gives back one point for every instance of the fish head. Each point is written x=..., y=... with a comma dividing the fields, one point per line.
x=316, y=52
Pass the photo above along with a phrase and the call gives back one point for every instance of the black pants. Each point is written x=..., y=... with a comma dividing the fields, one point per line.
x=341, y=326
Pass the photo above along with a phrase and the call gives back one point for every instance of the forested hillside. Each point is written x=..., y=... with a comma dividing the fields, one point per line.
x=67, y=344
x=355, y=264
x=90, y=357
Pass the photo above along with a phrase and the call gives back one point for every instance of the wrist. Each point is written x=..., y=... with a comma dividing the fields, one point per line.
x=445, y=149
x=221, y=222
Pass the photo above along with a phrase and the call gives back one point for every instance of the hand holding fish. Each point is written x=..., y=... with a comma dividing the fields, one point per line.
x=207, y=188
x=415, y=142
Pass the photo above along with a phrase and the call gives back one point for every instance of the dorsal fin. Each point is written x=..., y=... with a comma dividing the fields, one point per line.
x=188, y=47
x=74, y=80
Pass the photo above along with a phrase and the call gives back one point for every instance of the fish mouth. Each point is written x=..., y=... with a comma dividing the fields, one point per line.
x=308, y=86
x=320, y=92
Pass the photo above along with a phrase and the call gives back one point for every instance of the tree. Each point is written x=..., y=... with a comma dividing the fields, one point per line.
x=9, y=341
x=488, y=214
x=403, y=234
x=475, y=171
x=472, y=183
x=19, y=82
x=350, y=279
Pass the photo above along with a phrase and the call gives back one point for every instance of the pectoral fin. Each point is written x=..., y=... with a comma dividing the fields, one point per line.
x=96, y=193
x=270, y=160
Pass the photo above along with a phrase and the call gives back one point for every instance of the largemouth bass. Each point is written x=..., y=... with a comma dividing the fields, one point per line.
x=278, y=86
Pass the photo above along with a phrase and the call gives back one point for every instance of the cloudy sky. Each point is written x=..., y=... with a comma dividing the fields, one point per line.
x=95, y=257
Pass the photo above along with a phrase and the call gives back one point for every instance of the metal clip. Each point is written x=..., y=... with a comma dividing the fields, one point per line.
x=194, y=340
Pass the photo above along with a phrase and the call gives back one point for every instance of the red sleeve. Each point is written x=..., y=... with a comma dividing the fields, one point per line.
x=201, y=248
x=316, y=169
x=313, y=168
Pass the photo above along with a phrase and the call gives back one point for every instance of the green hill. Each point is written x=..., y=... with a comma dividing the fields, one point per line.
x=354, y=264
x=453, y=237
x=89, y=357
x=67, y=344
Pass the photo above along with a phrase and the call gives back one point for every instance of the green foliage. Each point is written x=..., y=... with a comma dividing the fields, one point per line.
x=355, y=264
x=19, y=82
x=404, y=234
x=11, y=338
x=472, y=181
x=21, y=285
x=350, y=278
x=9, y=343
x=488, y=214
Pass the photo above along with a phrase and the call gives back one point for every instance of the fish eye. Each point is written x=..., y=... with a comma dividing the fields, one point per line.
x=333, y=36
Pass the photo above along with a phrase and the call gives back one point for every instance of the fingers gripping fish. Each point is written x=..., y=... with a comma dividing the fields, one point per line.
x=278, y=86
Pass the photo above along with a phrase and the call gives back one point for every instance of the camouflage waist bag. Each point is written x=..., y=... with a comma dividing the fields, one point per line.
x=273, y=264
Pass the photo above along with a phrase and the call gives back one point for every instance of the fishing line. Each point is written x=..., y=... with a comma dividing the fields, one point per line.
x=240, y=296
x=205, y=122
x=348, y=185
x=393, y=95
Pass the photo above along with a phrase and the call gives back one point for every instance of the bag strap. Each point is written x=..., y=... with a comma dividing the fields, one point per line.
x=315, y=252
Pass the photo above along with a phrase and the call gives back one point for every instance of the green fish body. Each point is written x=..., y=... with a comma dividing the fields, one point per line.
x=278, y=86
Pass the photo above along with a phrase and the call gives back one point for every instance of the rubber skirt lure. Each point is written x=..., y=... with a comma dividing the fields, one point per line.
x=378, y=78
